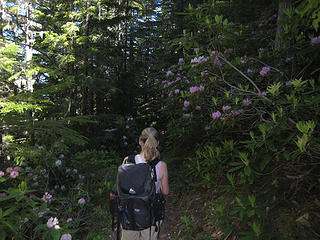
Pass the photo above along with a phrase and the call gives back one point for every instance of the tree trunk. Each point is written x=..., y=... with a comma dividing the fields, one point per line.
x=279, y=42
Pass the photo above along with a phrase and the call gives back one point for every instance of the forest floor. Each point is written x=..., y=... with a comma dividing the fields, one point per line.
x=172, y=219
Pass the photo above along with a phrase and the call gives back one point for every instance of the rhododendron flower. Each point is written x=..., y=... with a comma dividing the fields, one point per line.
x=53, y=222
x=14, y=174
x=176, y=91
x=226, y=108
x=216, y=115
x=264, y=71
x=69, y=220
x=74, y=170
x=17, y=169
x=186, y=103
x=9, y=169
x=315, y=40
x=243, y=61
x=201, y=88
x=198, y=107
x=249, y=70
x=47, y=197
x=1, y=174
x=40, y=214
x=58, y=163
x=207, y=127
x=169, y=73
x=25, y=220
x=246, y=102
x=81, y=201
x=66, y=236
x=213, y=53
x=217, y=62
x=62, y=187
x=186, y=115
x=181, y=61
x=61, y=156
x=238, y=112
x=193, y=89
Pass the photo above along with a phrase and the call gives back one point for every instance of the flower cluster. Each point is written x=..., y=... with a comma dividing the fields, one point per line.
x=66, y=236
x=264, y=71
x=14, y=172
x=47, y=197
x=196, y=88
x=197, y=60
x=81, y=201
x=315, y=40
x=53, y=223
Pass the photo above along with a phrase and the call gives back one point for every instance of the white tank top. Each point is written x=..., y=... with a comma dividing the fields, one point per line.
x=158, y=166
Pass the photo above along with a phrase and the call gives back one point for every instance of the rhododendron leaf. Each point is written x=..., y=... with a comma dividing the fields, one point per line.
x=247, y=170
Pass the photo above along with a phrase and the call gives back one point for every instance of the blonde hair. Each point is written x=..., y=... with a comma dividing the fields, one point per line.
x=150, y=137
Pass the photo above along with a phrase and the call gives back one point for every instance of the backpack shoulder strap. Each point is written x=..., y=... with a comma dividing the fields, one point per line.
x=131, y=159
x=153, y=164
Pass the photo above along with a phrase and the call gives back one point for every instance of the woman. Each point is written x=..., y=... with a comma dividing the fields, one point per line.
x=149, y=141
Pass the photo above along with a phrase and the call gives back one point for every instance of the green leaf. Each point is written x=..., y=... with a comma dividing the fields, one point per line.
x=247, y=170
x=264, y=161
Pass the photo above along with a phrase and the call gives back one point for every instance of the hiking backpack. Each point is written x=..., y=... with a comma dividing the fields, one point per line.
x=136, y=194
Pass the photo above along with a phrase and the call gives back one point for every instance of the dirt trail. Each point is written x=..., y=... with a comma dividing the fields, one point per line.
x=172, y=218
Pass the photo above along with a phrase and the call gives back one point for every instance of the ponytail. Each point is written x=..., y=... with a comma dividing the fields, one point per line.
x=149, y=137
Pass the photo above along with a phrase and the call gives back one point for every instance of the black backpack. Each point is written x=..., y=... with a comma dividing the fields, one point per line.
x=136, y=194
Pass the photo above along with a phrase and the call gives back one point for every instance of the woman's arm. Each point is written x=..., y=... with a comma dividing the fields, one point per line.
x=125, y=160
x=164, y=179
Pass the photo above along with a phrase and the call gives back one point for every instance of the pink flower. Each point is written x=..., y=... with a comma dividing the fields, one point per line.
x=47, y=197
x=25, y=220
x=58, y=163
x=181, y=61
x=53, y=222
x=264, y=71
x=194, y=89
x=207, y=127
x=315, y=40
x=217, y=62
x=176, y=91
x=169, y=73
x=198, y=107
x=216, y=115
x=201, y=88
x=246, y=102
x=17, y=169
x=66, y=236
x=213, y=53
x=249, y=70
x=226, y=108
x=14, y=174
x=243, y=61
x=81, y=201
x=69, y=220
x=1, y=174
x=186, y=103
x=40, y=214
x=9, y=170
